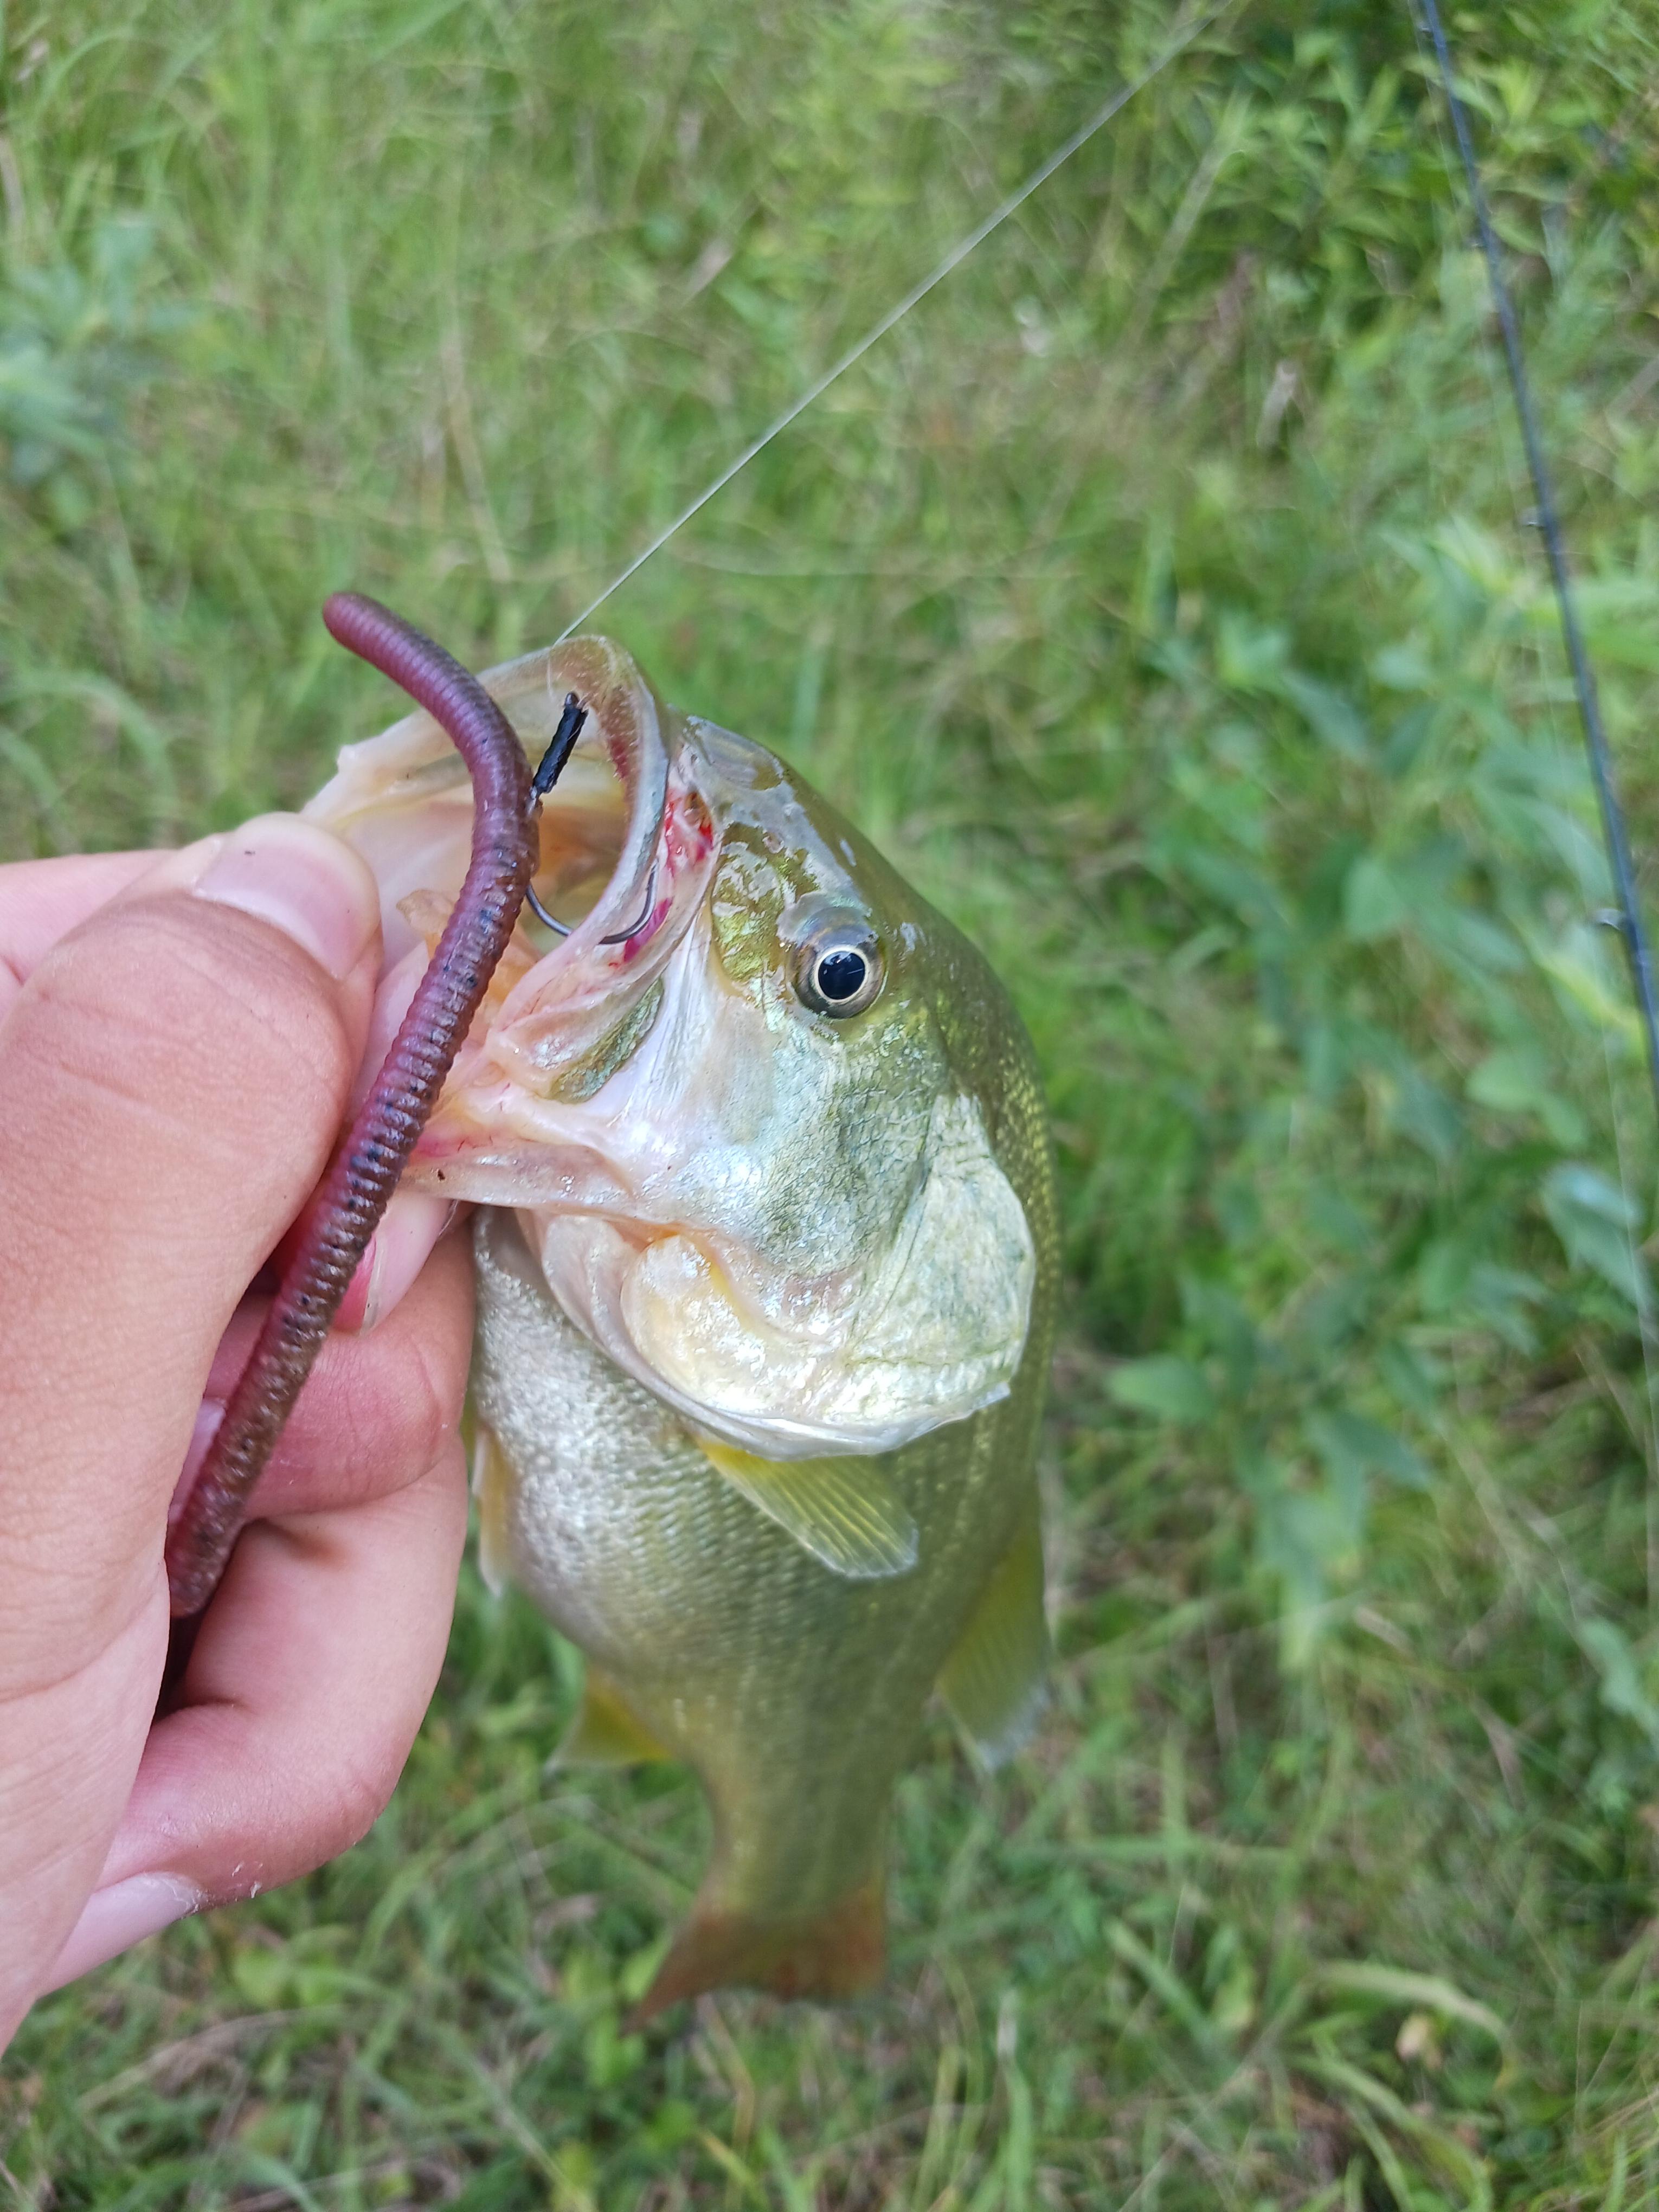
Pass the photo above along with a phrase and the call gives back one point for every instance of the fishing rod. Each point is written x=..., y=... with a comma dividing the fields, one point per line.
x=1615, y=832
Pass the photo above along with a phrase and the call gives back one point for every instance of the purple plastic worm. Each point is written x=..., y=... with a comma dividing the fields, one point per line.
x=366, y=1169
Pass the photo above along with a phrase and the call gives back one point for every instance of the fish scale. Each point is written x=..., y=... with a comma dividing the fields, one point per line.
x=781, y=1649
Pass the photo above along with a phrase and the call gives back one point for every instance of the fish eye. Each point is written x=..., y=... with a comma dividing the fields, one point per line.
x=840, y=971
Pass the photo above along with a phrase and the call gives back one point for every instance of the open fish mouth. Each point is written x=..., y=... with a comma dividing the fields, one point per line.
x=627, y=848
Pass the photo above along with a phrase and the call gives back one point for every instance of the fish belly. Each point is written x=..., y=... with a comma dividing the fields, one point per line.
x=794, y=1693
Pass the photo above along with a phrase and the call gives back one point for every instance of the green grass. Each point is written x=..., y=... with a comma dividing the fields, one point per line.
x=1160, y=595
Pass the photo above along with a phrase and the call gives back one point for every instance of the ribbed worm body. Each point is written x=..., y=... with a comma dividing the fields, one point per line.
x=366, y=1169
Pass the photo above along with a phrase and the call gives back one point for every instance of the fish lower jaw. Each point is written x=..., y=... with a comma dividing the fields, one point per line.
x=483, y=1170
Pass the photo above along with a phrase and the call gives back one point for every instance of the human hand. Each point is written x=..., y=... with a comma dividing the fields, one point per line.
x=179, y=1038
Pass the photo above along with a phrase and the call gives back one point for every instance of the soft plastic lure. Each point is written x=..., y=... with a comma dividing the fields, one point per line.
x=366, y=1169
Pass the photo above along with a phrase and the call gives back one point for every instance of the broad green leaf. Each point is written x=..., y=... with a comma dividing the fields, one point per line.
x=1248, y=656
x=1597, y=1224
x=1500, y=1297
x=1301, y=1538
x=1339, y=1221
x=1516, y=1081
x=1172, y=1389
x=1404, y=741
x=1404, y=667
x=1574, y=964
x=1249, y=893
x=1213, y=1309
x=1375, y=902
x=1460, y=934
x=1511, y=1081
x=1420, y=1110
x=1621, y=1684
x=1332, y=717
x=1410, y=1378
x=1352, y=1447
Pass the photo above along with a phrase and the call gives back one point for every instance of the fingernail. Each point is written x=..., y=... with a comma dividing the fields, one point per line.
x=112, y=1920
x=304, y=882
x=399, y=1249
x=210, y=1414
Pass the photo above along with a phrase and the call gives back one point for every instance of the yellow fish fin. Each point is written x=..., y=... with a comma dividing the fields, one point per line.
x=841, y=1952
x=845, y=1512
x=606, y=1731
x=492, y=1485
x=992, y=1680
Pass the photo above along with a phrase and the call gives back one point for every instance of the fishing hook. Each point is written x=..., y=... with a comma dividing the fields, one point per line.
x=560, y=747
x=621, y=937
x=548, y=921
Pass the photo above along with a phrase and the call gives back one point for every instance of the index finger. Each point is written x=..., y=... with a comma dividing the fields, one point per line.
x=41, y=901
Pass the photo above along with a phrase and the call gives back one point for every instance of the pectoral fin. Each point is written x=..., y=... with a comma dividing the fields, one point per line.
x=845, y=1512
x=992, y=1680
x=606, y=1731
x=492, y=1485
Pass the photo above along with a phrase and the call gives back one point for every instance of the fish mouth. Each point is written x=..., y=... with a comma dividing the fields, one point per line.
x=600, y=862
x=627, y=847
x=403, y=800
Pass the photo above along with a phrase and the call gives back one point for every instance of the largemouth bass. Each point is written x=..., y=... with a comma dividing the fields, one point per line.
x=766, y=1259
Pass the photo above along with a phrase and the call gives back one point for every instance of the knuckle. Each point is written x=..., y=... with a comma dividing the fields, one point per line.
x=218, y=986
x=416, y=1368
x=434, y=1386
x=377, y=1415
x=319, y=1811
x=411, y=1411
x=363, y=1789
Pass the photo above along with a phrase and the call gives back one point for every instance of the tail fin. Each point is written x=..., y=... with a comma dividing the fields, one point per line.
x=839, y=1952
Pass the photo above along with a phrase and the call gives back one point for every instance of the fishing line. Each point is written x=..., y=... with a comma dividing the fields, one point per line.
x=1546, y=517
x=1103, y=115
x=1613, y=830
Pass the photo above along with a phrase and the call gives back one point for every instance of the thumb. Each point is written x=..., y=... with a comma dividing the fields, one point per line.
x=173, y=1077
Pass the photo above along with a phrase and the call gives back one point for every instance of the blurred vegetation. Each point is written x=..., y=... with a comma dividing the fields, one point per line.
x=1161, y=594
